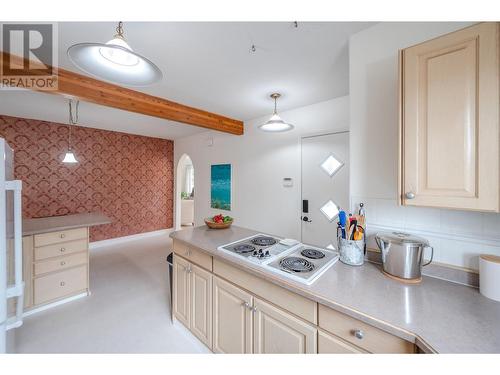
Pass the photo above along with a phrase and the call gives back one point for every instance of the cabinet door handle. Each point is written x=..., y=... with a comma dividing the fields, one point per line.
x=62, y=283
x=247, y=305
x=254, y=309
x=62, y=235
x=410, y=195
x=63, y=263
x=359, y=334
x=63, y=249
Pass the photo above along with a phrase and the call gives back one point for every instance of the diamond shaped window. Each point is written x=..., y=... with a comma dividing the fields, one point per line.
x=331, y=165
x=330, y=210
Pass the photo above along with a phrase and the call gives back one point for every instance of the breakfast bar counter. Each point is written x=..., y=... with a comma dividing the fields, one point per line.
x=437, y=315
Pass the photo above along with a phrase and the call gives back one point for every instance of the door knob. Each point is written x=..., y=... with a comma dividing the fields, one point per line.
x=306, y=219
x=410, y=195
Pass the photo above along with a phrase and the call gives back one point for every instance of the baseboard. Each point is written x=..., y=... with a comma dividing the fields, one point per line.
x=138, y=236
x=54, y=304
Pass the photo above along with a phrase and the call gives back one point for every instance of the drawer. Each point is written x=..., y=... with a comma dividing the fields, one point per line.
x=330, y=344
x=292, y=302
x=193, y=254
x=60, y=263
x=374, y=340
x=60, y=236
x=60, y=284
x=63, y=248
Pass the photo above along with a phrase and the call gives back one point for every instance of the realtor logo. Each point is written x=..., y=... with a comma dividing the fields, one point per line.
x=28, y=56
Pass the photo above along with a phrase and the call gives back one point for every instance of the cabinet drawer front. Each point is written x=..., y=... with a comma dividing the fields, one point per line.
x=61, y=263
x=60, y=236
x=298, y=305
x=64, y=248
x=60, y=284
x=374, y=340
x=193, y=254
x=329, y=344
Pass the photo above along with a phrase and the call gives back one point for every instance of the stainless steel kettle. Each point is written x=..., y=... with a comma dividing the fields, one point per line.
x=402, y=254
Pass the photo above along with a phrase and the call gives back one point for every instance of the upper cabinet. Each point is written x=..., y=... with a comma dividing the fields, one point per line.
x=449, y=115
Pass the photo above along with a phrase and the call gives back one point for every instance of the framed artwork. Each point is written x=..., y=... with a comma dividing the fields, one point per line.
x=220, y=187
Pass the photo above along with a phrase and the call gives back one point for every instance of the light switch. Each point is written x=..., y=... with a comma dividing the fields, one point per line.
x=287, y=182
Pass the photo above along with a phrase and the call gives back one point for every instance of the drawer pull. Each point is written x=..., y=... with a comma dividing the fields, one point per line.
x=63, y=263
x=63, y=249
x=62, y=283
x=62, y=235
x=359, y=334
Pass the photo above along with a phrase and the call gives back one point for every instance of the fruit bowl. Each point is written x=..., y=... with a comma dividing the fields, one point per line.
x=218, y=225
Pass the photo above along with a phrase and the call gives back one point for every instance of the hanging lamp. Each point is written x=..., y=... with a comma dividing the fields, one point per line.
x=275, y=123
x=69, y=157
x=115, y=61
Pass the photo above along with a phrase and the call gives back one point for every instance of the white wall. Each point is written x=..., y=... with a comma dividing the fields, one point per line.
x=457, y=236
x=260, y=161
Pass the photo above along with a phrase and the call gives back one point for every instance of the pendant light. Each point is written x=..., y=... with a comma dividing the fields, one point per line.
x=73, y=120
x=276, y=123
x=115, y=61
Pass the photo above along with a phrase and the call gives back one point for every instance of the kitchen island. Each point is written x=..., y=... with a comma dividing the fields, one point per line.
x=435, y=315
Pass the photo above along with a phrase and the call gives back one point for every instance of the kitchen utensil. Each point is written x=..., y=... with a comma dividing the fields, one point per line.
x=402, y=255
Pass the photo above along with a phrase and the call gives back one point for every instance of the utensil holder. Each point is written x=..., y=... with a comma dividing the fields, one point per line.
x=351, y=252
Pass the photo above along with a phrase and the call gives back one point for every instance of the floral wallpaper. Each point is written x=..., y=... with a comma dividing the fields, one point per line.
x=127, y=177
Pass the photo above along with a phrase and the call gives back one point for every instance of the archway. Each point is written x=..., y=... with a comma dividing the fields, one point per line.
x=184, y=193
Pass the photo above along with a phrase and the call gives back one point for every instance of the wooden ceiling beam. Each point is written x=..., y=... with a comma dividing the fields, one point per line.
x=107, y=94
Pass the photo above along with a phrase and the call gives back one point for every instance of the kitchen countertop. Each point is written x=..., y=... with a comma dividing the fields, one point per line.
x=55, y=223
x=439, y=316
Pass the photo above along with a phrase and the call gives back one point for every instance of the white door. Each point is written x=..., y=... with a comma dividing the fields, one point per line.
x=325, y=186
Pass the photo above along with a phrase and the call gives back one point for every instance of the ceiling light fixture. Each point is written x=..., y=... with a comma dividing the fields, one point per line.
x=275, y=123
x=73, y=120
x=115, y=61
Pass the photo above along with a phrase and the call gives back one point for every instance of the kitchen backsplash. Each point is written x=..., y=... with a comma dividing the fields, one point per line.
x=458, y=237
x=127, y=177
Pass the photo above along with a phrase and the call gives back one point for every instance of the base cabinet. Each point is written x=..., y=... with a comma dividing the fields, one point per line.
x=201, y=304
x=192, y=299
x=233, y=319
x=276, y=331
x=180, y=291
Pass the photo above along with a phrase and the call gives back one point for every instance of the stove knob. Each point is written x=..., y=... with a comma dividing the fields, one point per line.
x=260, y=251
x=267, y=253
x=255, y=253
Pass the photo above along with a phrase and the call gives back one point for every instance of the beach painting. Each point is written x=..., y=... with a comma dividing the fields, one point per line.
x=220, y=184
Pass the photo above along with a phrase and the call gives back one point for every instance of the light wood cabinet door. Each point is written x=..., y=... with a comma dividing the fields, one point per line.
x=276, y=331
x=181, y=291
x=201, y=304
x=329, y=344
x=450, y=121
x=232, y=319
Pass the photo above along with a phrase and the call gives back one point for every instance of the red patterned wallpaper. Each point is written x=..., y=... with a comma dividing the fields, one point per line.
x=127, y=177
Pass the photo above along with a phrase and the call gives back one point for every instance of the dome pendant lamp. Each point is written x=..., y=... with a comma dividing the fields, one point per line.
x=115, y=61
x=275, y=123
x=73, y=120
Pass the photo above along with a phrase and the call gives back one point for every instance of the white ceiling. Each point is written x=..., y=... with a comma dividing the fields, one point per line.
x=209, y=65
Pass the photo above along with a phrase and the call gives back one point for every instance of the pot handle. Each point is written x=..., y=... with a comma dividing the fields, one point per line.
x=432, y=256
